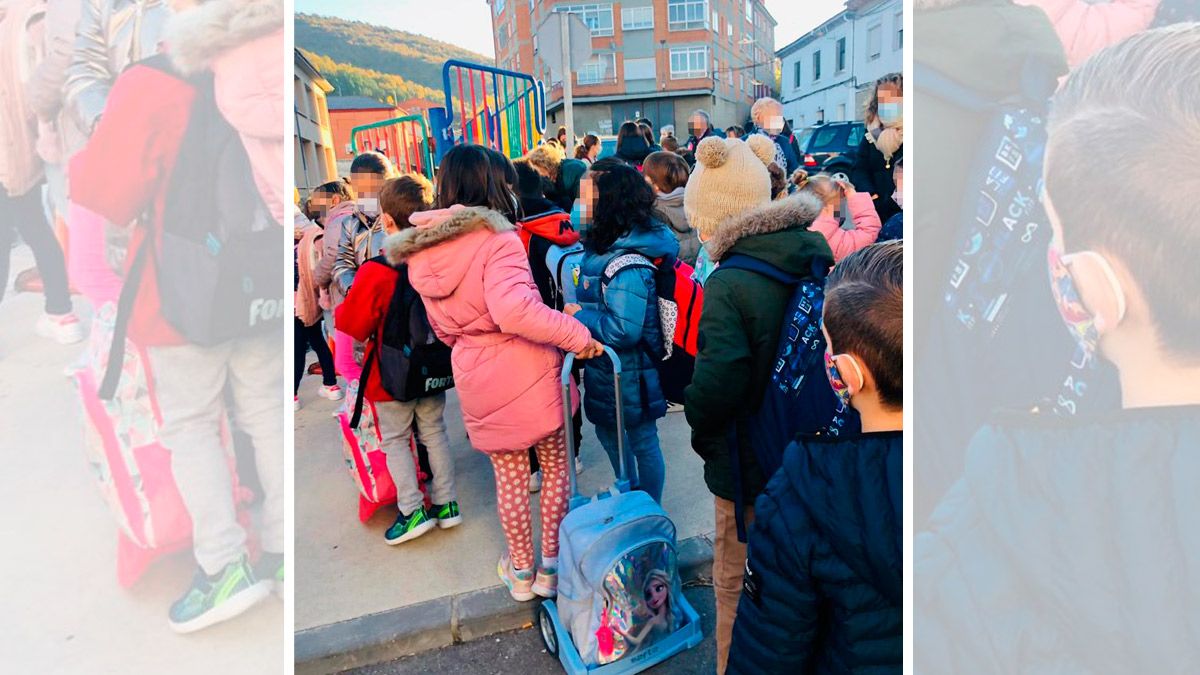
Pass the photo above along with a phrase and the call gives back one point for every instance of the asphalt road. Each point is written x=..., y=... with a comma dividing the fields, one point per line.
x=521, y=651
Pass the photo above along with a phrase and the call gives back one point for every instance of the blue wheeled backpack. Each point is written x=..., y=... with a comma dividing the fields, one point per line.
x=620, y=604
x=798, y=398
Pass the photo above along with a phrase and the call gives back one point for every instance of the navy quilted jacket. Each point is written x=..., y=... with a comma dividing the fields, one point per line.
x=824, y=587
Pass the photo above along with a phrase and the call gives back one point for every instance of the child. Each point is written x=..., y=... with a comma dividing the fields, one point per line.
x=361, y=316
x=837, y=501
x=622, y=312
x=308, y=320
x=894, y=227
x=470, y=268
x=1068, y=544
x=831, y=192
x=667, y=173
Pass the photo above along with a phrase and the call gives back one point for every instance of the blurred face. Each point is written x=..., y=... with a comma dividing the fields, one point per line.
x=367, y=184
x=891, y=104
x=320, y=204
x=697, y=125
x=180, y=5
x=770, y=118
x=594, y=152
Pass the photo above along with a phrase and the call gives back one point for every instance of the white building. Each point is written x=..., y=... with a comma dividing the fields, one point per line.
x=829, y=72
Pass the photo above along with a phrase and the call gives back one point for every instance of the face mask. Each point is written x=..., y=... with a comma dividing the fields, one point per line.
x=580, y=217
x=898, y=197
x=891, y=112
x=368, y=205
x=840, y=388
x=1079, y=321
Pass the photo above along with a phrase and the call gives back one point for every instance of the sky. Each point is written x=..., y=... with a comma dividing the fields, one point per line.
x=468, y=24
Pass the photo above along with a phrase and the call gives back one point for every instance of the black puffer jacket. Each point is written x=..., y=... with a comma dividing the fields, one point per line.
x=824, y=587
x=873, y=175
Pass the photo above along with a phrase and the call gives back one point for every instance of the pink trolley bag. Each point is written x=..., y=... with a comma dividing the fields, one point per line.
x=130, y=465
x=620, y=607
x=362, y=448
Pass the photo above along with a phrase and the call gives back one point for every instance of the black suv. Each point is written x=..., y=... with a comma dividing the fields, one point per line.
x=830, y=147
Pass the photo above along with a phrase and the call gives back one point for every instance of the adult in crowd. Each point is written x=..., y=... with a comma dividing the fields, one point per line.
x=700, y=127
x=563, y=174
x=767, y=114
x=561, y=137
x=631, y=144
x=588, y=149
x=882, y=144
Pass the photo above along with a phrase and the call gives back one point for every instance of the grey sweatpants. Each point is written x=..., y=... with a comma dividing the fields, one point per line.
x=396, y=420
x=191, y=382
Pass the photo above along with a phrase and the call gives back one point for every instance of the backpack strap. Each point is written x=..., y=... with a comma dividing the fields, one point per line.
x=362, y=386
x=747, y=263
x=125, y=303
x=622, y=262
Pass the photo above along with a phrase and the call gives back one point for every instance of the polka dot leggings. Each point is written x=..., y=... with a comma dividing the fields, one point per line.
x=512, y=497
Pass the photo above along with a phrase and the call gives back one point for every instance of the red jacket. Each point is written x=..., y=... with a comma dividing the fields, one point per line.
x=125, y=169
x=361, y=316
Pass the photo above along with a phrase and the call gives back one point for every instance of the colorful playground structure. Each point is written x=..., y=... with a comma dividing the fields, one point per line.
x=501, y=109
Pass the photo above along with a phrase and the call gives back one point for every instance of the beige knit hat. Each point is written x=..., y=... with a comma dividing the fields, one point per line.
x=730, y=178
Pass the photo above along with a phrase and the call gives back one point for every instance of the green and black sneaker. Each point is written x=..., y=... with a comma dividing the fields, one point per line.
x=447, y=515
x=211, y=600
x=409, y=527
x=270, y=569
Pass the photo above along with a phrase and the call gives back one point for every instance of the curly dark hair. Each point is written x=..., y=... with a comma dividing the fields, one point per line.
x=625, y=202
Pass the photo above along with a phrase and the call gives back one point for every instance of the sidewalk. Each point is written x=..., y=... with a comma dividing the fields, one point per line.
x=357, y=597
x=64, y=611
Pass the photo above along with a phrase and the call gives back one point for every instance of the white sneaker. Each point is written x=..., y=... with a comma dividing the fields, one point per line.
x=64, y=329
x=674, y=408
x=578, y=466
x=296, y=402
x=331, y=392
x=535, y=481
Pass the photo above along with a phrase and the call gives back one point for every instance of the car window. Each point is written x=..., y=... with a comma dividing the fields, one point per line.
x=803, y=137
x=826, y=138
x=856, y=135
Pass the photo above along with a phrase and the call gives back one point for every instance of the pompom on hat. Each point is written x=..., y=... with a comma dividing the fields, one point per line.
x=730, y=178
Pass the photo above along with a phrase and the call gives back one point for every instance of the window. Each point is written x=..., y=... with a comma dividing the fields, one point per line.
x=599, y=69
x=640, y=69
x=750, y=11
x=874, y=42
x=689, y=62
x=502, y=38
x=841, y=55
x=531, y=4
x=499, y=7
x=820, y=116
x=729, y=29
x=637, y=18
x=816, y=65
x=716, y=19
x=799, y=69
x=898, y=39
x=841, y=112
x=687, y=14
x=598, y=17
x=731, y=78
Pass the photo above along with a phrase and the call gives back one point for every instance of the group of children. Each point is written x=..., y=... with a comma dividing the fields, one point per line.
x=474, y=249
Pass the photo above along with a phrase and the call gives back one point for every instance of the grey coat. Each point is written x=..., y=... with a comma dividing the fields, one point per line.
x=669, y=209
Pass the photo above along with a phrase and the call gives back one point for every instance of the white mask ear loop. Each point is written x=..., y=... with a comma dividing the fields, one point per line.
x=1109, y=273
x=862, y=381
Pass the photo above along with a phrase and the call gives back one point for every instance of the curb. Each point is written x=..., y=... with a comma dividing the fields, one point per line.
x=389, y=635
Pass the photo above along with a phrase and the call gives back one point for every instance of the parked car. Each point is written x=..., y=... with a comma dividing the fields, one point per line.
x=831, y=147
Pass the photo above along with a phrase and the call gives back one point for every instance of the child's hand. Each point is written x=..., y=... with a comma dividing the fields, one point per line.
x=572, y=309
x=847, y=188
x=593, y=350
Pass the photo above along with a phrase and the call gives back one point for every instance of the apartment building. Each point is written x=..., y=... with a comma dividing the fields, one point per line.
x=829, y=72
x=315, y=158
x=659, y=59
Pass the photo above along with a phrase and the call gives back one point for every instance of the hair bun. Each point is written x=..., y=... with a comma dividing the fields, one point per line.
x=712, y=152
x=763, y=147
x=800, y=178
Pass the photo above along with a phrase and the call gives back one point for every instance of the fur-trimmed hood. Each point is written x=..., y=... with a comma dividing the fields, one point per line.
x=199, y=35
x=797, y=211
x=440, y=248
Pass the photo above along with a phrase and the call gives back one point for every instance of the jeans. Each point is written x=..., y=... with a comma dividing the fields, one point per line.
x=729, y=558
x=312, y=336
x=643, y=456
x=396, y=421
x=191, y=381
x=25, y=214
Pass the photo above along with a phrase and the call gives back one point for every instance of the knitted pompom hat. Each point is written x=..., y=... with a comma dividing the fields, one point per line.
x=730, y=178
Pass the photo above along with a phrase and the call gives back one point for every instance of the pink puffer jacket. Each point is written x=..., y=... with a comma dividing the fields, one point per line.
x=1087, y=27
x=471, y=269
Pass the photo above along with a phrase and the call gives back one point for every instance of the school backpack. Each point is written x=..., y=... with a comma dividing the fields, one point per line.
x=564, y=263
x=217, y=257
x=21, y=50
x=413, y=362
x=798, y=397
x=546, y=236
x=131, y=467
x=680, y=302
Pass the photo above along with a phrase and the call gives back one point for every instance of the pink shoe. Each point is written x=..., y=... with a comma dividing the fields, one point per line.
x=519, y=582
x=545, y=583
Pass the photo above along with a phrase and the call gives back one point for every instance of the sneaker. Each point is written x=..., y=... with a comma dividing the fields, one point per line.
x=210, y=601
x=545, y=583
x=674, y=408
x=535, y=481
x=409, y=527
x=64, y=329
x=270, y=570
x=295, y=402
x=447, y=515
x=578, y=466
x=331, y=392
x=519, y=582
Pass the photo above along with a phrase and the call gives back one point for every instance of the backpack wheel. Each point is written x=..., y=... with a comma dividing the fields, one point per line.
x=546, y=624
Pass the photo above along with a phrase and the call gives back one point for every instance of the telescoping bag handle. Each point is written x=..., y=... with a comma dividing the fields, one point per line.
x=622, y=484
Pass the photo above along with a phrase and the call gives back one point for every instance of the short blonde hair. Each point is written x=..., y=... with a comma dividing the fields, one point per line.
x=547, y=158
x=762, y=106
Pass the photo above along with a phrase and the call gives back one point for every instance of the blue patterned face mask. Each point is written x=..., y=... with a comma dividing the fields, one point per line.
x=835, y=378
x=1079, y=320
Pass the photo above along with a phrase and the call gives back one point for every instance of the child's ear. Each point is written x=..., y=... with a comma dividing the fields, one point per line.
x=1102, y=282
x=854, y=373
x=389, y=225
